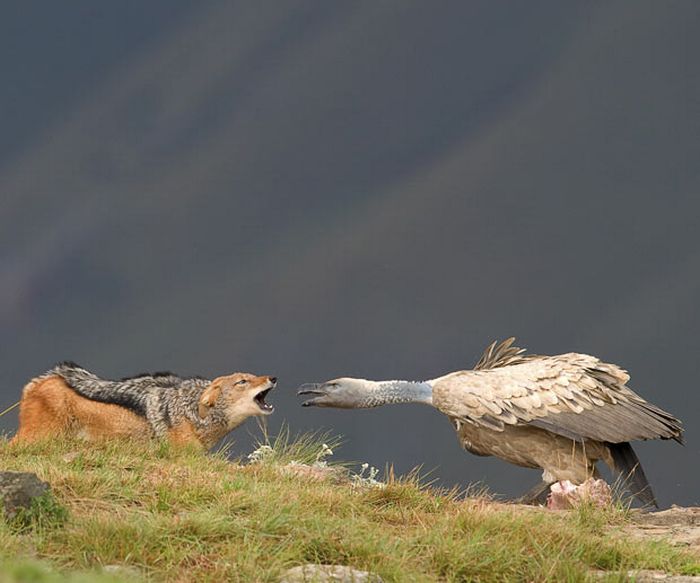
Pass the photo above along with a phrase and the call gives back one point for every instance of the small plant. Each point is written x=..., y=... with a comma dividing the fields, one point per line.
x=308, y=448
x=44, y=512
x=368, y=481
x=319, y=463
x=261, y=454
x=325, y=452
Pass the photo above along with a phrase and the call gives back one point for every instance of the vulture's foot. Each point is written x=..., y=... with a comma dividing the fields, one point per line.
x=535, y=496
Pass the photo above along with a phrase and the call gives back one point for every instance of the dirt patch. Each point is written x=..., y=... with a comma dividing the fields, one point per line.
x=678, y=525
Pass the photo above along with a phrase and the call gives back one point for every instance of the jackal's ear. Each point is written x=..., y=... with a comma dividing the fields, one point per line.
x=209, y=397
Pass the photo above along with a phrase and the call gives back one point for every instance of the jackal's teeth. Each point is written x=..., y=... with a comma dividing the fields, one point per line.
x=260, y=401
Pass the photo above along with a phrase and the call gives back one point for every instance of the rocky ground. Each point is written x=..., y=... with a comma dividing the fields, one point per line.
x=679, y=525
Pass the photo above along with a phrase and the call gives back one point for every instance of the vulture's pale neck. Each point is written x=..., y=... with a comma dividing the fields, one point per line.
x=388, y=392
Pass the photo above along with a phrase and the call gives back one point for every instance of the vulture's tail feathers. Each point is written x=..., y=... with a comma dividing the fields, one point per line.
x=630, y=472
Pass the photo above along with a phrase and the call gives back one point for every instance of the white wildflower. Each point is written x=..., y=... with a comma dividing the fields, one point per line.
x=321, y=455
x=369, y=481
x=260, y=454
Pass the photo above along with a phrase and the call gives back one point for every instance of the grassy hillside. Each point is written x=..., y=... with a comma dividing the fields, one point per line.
x=171, y=515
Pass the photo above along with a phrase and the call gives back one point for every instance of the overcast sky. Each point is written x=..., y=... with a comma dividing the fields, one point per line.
x=313, y=189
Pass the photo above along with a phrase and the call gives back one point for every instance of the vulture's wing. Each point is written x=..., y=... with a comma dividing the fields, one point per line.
x=498, y=354
x=575, y=395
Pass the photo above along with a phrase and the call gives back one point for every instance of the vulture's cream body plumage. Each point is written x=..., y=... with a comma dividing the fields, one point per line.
x=559, y=413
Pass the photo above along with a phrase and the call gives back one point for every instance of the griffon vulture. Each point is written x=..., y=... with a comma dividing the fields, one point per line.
x=559, y=413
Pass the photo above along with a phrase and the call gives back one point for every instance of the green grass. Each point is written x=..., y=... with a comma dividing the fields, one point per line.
x=178, y=515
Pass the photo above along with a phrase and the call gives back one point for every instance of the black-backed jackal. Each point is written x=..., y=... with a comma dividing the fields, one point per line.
x=69, y=400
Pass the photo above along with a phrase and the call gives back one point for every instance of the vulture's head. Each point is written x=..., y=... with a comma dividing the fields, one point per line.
x=342, y=393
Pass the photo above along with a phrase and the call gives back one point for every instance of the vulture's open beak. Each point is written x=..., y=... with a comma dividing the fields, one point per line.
x=312, y=389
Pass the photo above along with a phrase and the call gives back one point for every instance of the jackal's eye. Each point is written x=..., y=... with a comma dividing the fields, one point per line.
x=242, y=382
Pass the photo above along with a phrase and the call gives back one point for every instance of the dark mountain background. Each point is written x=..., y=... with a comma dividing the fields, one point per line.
x=377, y=189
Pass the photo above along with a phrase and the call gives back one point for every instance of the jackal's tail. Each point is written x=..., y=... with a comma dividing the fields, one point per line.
x=127, y=393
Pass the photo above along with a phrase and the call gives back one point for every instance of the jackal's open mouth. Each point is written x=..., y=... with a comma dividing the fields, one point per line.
x=260, y=400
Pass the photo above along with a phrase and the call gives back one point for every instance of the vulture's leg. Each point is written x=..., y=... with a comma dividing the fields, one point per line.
x=536, y=495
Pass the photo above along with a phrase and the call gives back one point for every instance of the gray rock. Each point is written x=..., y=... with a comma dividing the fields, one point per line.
x=328, y=574
x=644, y=576
x=649, y=576
x=122, y=571
x=18, y=489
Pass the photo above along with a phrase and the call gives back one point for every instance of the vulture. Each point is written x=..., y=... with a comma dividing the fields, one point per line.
x=561, y=414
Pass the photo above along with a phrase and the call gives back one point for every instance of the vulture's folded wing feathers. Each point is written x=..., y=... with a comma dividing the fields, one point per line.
x=574, y=395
